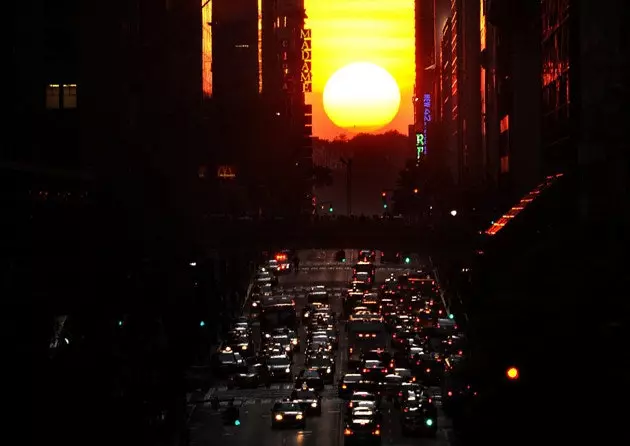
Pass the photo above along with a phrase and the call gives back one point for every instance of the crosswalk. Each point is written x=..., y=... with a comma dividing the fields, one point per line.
x=272, y=393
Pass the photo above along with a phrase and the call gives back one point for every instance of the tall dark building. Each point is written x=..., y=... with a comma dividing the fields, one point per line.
x=424, y=88
x=232, y=105
x=102, y=95
x=460, y=93
x=287, y=119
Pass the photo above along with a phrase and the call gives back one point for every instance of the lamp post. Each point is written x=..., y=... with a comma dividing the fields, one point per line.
x=348, y=164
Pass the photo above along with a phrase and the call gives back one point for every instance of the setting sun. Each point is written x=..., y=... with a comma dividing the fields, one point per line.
x=361, y=97
x=350, y=31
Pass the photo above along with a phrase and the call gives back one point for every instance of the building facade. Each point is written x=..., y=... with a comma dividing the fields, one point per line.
x=287, y=118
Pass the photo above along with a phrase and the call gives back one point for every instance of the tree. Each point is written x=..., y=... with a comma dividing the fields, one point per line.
x=322, y=176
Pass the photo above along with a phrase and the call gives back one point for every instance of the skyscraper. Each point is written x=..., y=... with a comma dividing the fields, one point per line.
x=287, y=120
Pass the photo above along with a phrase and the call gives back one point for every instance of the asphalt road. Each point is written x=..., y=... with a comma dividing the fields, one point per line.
x=206, y=425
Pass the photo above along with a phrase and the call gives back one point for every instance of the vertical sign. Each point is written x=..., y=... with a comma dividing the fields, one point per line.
x=426, y=118
x=306, y=76
x=419, y=145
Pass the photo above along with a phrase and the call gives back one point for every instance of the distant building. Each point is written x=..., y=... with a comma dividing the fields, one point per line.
x=287, y=120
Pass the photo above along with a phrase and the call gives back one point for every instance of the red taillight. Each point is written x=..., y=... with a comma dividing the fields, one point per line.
x=430, y=400
x=376, y=432
x=406, y=409
x=399, y=393
x=394, y=335
x=460, y=352
x=384, y=370
x=449, y=393
x=364, y=371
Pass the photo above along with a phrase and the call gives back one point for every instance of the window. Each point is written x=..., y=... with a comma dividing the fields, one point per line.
x=52, y=96
x=61, y=96
x=70, y=96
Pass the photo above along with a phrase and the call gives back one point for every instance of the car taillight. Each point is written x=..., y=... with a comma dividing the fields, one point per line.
x=350, y=404
x=394, y=335
x=343, y=386
x=365, y=370
x=449, y=393
x=376, y=432
x=384, y=370
x=399, y=393
x=428, y=370
x=406, y=409
x=430, y=400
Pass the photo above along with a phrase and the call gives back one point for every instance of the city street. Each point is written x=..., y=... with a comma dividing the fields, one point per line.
x=206, y=424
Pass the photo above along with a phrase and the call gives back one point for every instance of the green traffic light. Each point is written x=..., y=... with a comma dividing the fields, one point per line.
x=343, y=260
x=120, y=323
x=384, y=206
x=202, y=324
x=429, y=422
x=237, y=422
x=330, y=209
x=407, y=260
x=451, y=316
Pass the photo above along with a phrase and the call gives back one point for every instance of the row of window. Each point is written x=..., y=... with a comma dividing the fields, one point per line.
x=61, y=96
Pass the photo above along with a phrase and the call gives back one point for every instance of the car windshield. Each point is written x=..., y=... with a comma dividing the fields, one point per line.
x=286, y=407
x=227, y=357
x=278, y=361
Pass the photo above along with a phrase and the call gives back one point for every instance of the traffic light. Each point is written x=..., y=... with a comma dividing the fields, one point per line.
x=407, y=260
x=384, y=199
x=120, y=323
x=237, y=422
x=330, y=209
x=512, y=373
x=415, y=191
x=202, y=324
x=428, y=422
x=451, y=316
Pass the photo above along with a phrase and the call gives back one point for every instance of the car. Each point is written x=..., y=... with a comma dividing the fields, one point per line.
x=287, y=414
x=311, y=377
x=279, y=368
x=250, y=379
x=308, y=399
x=361, y=431
x=324, y=364
x=347, y=384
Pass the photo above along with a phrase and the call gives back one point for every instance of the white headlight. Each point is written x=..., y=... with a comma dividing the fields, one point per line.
x=314, y=404
x=328, y=370
x=299, y=416
x=288, y=370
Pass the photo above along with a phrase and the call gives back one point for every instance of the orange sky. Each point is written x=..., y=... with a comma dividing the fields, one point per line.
x=346, y=31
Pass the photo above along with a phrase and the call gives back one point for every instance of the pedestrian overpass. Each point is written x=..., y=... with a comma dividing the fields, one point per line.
x=382, y=234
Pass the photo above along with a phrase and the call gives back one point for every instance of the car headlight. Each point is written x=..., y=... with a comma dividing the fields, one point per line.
x=254, y=304
x=330, y=347
x=243, y=347
x=314, y=404
x=287, y=348
x=328, y=370
x=307, y=314
x=288, y=370
x=299, y=416
x=267, y=335
x=294, y=341
x=279, y=417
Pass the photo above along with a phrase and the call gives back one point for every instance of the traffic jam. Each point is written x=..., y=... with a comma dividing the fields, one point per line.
x=393, y=347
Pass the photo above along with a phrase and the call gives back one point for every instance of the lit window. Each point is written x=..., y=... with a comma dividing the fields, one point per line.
x=55, y=100
x=52, y=96
x=70, y=96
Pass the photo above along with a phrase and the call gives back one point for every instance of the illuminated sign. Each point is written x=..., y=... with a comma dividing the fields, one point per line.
x=426, y=119
x=226, y=172
x=420, y=145
x=306, y=75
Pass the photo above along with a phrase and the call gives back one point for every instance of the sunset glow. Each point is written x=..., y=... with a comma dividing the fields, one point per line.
x=347, y=31
x=361, y=97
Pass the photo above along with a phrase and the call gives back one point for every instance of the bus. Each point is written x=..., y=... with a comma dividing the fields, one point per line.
x=278, y=315
x=364, y=336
